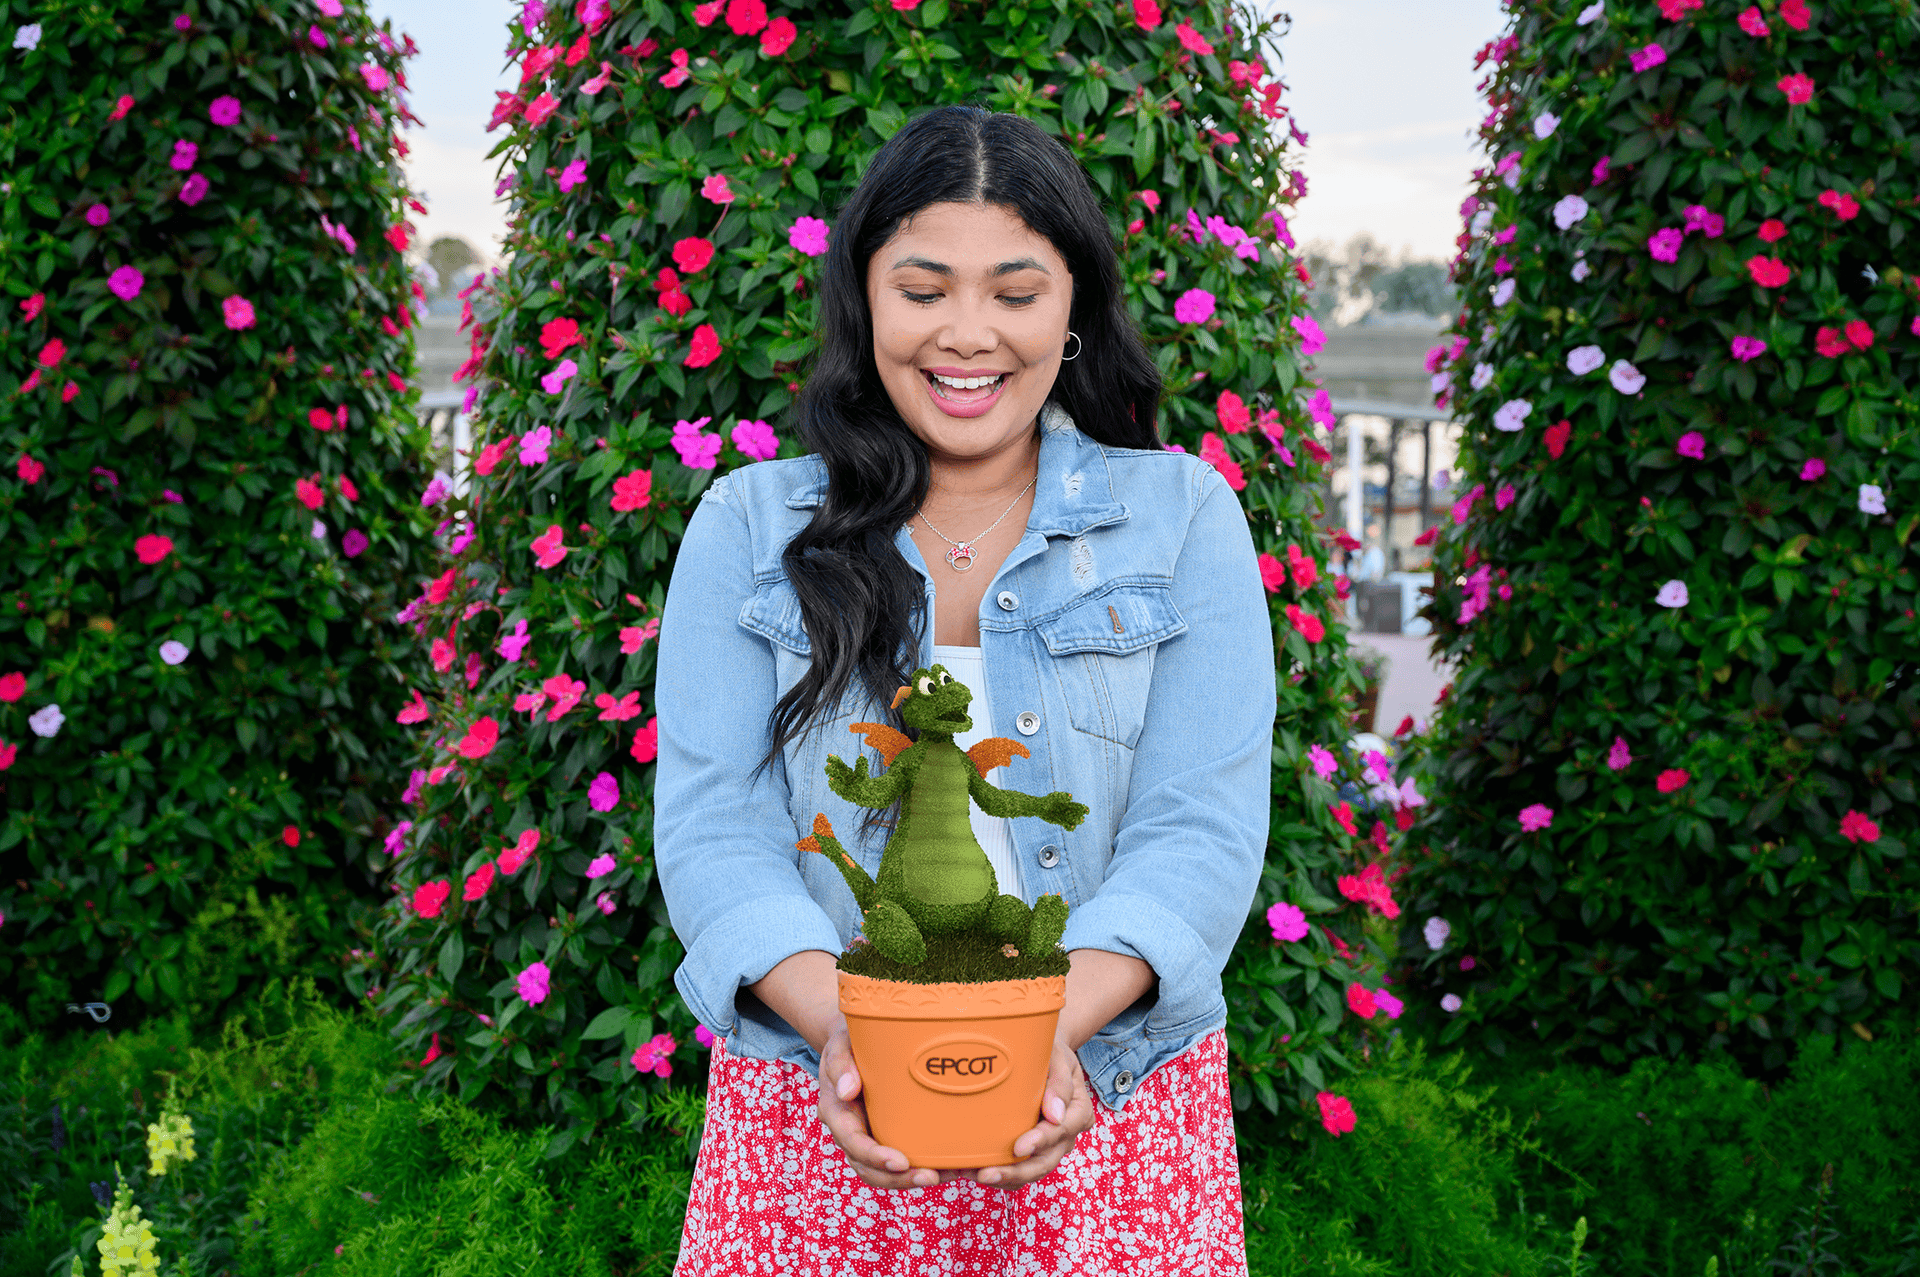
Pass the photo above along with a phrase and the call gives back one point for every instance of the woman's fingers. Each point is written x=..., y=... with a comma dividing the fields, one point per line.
x=1066, y=1109
x=844, y=1115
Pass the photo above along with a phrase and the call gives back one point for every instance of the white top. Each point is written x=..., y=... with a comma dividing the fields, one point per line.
x=991, y=832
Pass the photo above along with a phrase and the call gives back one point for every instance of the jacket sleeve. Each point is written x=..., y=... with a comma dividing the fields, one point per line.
x=1192, y=841
x=723, y=836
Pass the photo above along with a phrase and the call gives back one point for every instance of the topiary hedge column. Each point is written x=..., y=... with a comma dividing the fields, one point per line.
x=676, y=171
x=210, y=491
x=1675, y=780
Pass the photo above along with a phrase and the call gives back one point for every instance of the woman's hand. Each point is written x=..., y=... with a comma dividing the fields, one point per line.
x=1066, y=1109
x=844, y=1114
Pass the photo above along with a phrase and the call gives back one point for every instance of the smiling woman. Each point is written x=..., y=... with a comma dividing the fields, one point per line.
x=978, y=374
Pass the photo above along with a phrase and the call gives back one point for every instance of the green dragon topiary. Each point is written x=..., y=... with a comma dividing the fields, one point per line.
x=934, y=878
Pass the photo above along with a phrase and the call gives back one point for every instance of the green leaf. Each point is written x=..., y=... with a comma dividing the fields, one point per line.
x=610, y=1023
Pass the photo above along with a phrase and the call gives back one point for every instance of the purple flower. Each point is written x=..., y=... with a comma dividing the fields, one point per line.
x=1648, y=58
x=1814, y=468
x=534, y=983
x=173, y=651
x=1289, y=922
x=1748, y=348
x=1535, y=817
x=1582, y=360
x=318, y=37
x=184, y=155
x=172, y=496
x=1450, y=1003
x=1436, y=932
x=354, y=543
x=416, y=781
x=1692, y=444
x=1672, y=594
x=1312, y=339
x=1626, y=379
x=99, y=215
x=697, y=451
x=604, y=793
x=126, y=283
x=1511, y=415
x=194, y=189
x=1568, y=212
x=437, y=491
x=534, y=444
x=756, y=439
x=573, y=175
x=1619, y=756
x=513, y=646
x=809, y=235
x=1602, y=170
x=1195, y=306
x=224, y=111
x=181, y=22
x=532, y=15
x=1664, y=245
x=397, y=837
x=1713, y=225
x=1387, y=1002
x=1872, y=500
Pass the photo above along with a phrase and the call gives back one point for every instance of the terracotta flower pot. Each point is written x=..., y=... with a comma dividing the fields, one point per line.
x=952, y=1073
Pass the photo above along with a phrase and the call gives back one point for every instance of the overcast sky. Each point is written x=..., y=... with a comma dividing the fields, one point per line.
x=1384, y=88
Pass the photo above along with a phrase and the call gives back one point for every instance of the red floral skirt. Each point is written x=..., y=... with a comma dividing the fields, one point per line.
x=1150, y=1191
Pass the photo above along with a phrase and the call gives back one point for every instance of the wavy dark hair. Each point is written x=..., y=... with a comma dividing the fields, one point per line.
x=860, y=602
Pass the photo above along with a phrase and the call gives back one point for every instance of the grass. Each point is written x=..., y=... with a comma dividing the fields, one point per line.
x=314, y=1158
x=964, y=957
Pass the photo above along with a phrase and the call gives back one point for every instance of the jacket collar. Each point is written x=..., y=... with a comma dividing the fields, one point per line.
x=1072, y=494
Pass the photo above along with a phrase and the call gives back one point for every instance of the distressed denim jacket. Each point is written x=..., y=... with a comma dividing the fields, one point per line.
x=1127, y=645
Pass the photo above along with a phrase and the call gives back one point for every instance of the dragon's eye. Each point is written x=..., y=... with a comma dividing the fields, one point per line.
x=926, y=686
x=945, y=678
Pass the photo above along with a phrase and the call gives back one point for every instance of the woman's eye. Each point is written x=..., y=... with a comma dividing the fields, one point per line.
x=1020, y=301
x=922, y=298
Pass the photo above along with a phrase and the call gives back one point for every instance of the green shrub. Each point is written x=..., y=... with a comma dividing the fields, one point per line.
x=192, y=827
x=614, y=186
x=1703, y=674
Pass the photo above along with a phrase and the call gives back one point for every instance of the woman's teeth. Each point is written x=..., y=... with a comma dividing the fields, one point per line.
x=942, y=384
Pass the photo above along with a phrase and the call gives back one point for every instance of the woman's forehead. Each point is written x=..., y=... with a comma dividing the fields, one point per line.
x=968, y=239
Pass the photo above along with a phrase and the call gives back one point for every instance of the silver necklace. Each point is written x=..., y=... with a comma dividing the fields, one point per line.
x=960, y=557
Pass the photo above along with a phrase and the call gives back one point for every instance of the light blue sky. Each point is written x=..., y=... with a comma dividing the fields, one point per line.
x=1383, y=87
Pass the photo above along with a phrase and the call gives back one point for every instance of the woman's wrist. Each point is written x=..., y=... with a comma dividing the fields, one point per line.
x=804, y=990
x=1099, y=987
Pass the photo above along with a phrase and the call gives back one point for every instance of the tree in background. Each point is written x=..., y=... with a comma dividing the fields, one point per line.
x=210, y=492
x=675, y=174
x=1674, y=782
x=452, y=263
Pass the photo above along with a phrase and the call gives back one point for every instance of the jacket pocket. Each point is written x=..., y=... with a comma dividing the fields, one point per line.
x=1103, y=651
x=774, y=613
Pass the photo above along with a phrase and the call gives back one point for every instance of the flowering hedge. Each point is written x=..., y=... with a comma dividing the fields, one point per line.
x=209, y=493
x=675, y=174
x=1676, y=776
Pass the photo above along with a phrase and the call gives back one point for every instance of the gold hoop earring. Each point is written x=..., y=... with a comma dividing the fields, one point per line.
x=1078, y=345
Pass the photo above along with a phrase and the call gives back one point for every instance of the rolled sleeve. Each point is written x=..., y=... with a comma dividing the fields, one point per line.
x=723, y=835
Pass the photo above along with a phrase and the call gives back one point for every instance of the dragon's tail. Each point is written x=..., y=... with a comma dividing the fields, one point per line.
x=823, y=841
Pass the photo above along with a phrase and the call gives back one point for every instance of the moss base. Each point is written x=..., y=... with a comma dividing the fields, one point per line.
x=965, y=957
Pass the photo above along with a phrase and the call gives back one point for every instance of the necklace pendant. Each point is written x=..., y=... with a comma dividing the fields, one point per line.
x=960, y=557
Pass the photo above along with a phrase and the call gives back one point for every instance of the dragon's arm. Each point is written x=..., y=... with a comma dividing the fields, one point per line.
x=1056, y=809
x=854, y=785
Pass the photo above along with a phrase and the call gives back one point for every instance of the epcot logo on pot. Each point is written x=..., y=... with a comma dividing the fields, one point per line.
x=948, y=1064
x=961, y=1065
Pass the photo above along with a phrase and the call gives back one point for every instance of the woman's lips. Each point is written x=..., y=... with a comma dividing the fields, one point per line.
x=965, y=403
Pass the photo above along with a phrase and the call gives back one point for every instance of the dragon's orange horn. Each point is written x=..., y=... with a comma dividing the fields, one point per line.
x=821, y=827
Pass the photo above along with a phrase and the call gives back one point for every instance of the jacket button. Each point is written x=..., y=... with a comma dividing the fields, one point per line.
x=1008, y=600
x=1124, y=1082
x=1049, y=856
x=1028, y=723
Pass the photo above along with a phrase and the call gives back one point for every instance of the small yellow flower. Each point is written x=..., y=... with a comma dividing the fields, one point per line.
x=126, y=1247
x=169, y=1140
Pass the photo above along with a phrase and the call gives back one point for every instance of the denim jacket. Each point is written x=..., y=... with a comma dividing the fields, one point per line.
x=1127, y=644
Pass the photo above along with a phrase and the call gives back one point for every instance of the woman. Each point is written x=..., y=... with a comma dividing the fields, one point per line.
x=987, y=492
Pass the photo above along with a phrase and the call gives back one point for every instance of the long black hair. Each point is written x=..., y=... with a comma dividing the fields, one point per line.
x=858, y=598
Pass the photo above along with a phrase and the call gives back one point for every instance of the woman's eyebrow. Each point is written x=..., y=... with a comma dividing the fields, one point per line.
x=941, y=268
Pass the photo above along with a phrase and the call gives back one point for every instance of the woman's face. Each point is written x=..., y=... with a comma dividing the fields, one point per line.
x=968, y=294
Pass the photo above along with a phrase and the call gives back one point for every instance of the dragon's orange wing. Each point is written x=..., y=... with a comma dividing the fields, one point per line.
x=883, y=738
x=996, y=751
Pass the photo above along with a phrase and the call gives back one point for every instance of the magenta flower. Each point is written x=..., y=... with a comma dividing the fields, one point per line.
x=374, y=74
x=1746, y=349
x=1289, y=922
x=1664, y=246
x=1648, y=58
x=534, y=983
x=602, y=865
x=237, y=311
x=756, y=439
x=1536, y=817
x=1322, y=762
x=1320, y=408
x=1387, y=1002
x=809, y=235
x=698, y=451
x=652, y=1056
x=224, y=111
x=1671, y=779
x=99, y=215
x=1692, y=444
x=185, y=153
x=716, y=189
x=604, y=793
x=1504, y=497
x=1813, y=469
x=181, y=22
x=553, y=381
x=1312, y=339
x=512, y=646
x=1195, y=306
x=194, y=189
x=1713, y=225
x=534, y=444
x=574, y=174
x=1857, y=826
x=317, y=36
x=126, y=283
x=1619, y=757
x=354, y=543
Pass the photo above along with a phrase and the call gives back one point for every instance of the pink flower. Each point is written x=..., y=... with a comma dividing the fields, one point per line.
x=478, y=882
x=703, y=1035
x=1859, y=333
x=238, y=312
x=692, y=254
x=703, y=349
x=1312, y=339
x=1772, y=230
x=605, y=903
x=121, y=107
x=12, y=687
x=194, y=189
x=697, y=451
x=574, y=174
x=1752, y=23
x=184, y=155
x=1195, y=306
x=612, y=711
x=652, y=1055
x=512, y=646
x=309, y=493
x=354, y=543
x=1273, y=574
x=1369, y=887
x=1830, y=344
x=555, y=381
x=1336, y=1113
x=1856, y=827
x=479, y=740
x=715, y=188
x=593, y=86
x=374, y=74
x=152, y=549
x=1504, y=497
x=566, y=692
x=632, y=491
x=1844, y=206
x=634, y=637
x=1343, y=813
x=541, y=109
x=1747, y=349
x=224, y=111
x=756, y=439
x=1794, y=13
x=1305, y=570
x=1535, y=817
x=1391, y=1005
x=1712, y=225
x=809, y=235
x=415, y=711
x=429, y=897
x=556, y=335
x=442, y=654
x=1671, y=779
x=1798, y=88
x=1213, y=451
x=646, y=742
x=604, y=793
x=1648, y=58
x=1360, y=1001
x=1672, y=594
x=1665, y=244
x=679, y=74
x=1191, y=40
x=777, y=38
x=1619, y=757
x=746, y=17
x=534, y=983
x=1813, y=469
x=126, y=283
x=1289, y=922
x=534, y=445
x=1311, y=628
x=1768, y=272
x=317, y=37
x=1692, y=444
x=1146, y=14
x=512, y=858
x=707, y=14
x=600, y=866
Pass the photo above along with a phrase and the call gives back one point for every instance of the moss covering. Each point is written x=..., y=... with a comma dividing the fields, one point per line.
x=961, y=957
